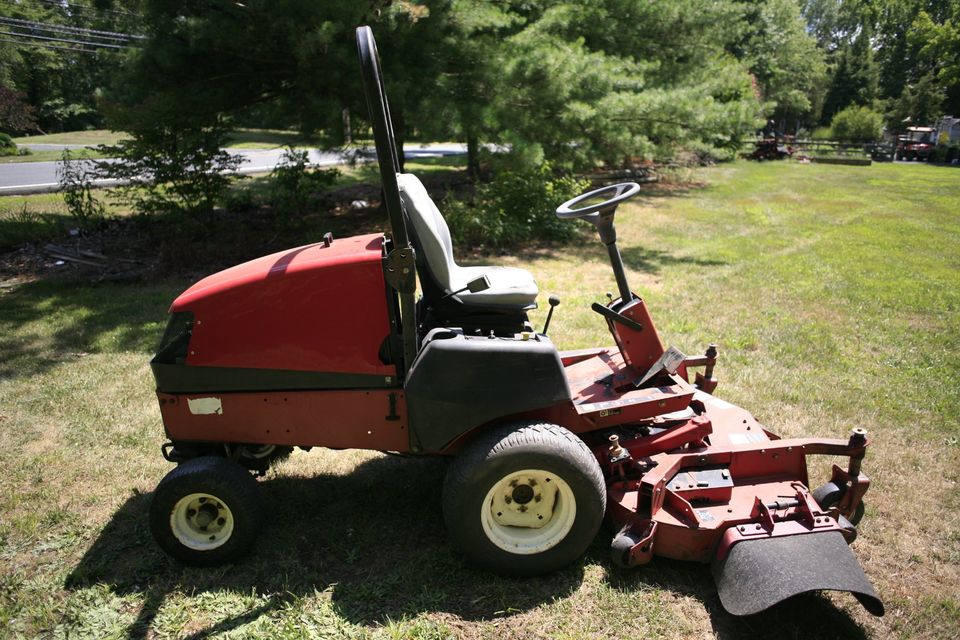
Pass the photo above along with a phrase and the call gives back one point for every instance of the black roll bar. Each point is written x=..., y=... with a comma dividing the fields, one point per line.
x=402, y=257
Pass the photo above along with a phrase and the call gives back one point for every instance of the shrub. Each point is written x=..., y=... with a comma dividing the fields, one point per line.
x=821, y=133
x=945, y=153
x=294, y=186
x=516, y=206
x=171, y=169
x=7, y=146
x=857, y=124
x=76, y=183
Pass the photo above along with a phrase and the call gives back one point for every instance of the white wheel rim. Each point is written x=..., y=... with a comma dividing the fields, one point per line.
x=201, y=521
x=528, y=511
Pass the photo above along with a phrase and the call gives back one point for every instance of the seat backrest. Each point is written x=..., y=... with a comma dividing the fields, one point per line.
x=429, y=229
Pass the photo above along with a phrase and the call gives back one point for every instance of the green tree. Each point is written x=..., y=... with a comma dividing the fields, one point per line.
x=937, y=47
x=785, y=60
x=855, y=76
x=551, y=79
x=62, y=68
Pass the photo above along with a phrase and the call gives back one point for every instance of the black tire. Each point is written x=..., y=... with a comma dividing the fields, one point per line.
x=829, y=494
x=574, y=510
x=232, y=509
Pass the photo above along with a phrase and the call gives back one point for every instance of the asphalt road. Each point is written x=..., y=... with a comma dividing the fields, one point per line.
x=19, y=178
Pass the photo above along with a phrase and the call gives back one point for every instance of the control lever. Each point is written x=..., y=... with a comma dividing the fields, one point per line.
x=474, y=286
x=554, y=302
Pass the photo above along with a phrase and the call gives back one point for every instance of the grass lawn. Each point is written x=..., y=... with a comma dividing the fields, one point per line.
x=268, y=139
x=240, y=139
x=51, y=156
x=92, y=137
x=41, y=216
x=831, y=290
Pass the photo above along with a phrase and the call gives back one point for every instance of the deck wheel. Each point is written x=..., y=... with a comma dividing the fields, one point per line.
x=830, y=494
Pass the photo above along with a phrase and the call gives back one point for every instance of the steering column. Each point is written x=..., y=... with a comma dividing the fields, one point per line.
x=599, y=208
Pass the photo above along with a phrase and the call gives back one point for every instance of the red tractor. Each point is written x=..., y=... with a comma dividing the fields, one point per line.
x=916, y=144
x=326, y=345
x=771, y=149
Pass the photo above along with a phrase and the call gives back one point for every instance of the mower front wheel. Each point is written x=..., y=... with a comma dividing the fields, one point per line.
x=524, y=499
x=206, y=512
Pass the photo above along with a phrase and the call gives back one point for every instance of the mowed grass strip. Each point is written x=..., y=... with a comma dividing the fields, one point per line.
x=832, y=292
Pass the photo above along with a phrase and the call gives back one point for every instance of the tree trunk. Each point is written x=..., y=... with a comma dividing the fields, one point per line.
x=345, y=119
x=398, y=134
x=473, y=156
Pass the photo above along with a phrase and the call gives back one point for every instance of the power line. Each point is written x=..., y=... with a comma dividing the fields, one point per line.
x=48, y=46
x=93, y=33
x=99, y=45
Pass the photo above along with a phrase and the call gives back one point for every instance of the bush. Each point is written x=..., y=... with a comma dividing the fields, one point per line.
x=76, y=183
x=945, y=153
x=517, y=206
x=857, y=124
x=7, y=146
x=822, y=133
x=171, y=169
x=294, y=186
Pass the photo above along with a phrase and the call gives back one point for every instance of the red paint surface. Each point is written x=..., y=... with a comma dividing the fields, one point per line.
x=640, y=349
x=696, y=523
x=339, y=419
x=313, y=308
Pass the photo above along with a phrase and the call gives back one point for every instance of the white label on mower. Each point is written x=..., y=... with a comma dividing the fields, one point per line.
x=706, y=398
x=205, y=406
x=738, y=438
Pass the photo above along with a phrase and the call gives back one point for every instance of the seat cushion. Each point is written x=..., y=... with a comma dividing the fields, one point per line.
x=509, y=287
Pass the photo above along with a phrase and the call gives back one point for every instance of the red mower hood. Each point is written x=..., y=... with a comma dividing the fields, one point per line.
x=309, y=257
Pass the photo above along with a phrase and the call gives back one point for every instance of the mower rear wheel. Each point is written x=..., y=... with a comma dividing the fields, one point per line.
x=206, y=512
x=524, y=499
x=830, y=494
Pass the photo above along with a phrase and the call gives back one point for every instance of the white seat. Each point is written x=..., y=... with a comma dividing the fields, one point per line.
x=509, y=287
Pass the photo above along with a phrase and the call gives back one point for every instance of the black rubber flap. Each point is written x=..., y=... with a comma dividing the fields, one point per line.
x=757, y=574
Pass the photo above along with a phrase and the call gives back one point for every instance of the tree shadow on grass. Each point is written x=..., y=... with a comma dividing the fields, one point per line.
x=374, y=539
x=77, y=318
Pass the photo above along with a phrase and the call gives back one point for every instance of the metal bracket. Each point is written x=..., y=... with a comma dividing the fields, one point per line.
x=634, y=548
x=400, y=269
x=615, y=316
x=392, y=398
x=669, y=361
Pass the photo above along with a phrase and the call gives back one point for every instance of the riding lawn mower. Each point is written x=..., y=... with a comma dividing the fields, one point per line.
x=329, y=345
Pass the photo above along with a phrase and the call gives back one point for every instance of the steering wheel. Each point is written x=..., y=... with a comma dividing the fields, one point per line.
x=615, y=194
